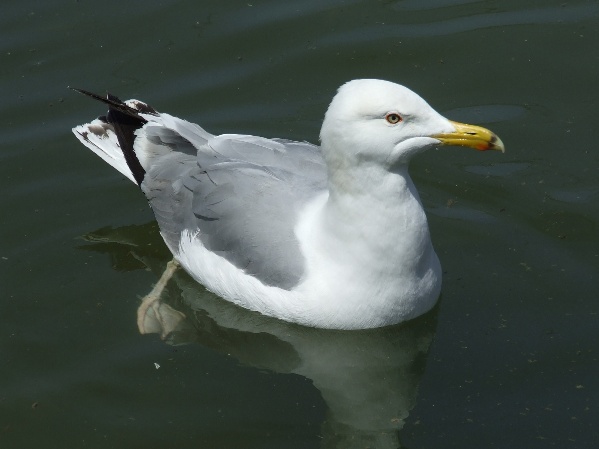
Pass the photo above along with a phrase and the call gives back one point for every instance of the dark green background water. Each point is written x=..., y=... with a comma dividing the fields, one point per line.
x=508, y=359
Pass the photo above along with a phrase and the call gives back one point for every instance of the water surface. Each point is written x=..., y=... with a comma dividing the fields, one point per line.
x=507, y=359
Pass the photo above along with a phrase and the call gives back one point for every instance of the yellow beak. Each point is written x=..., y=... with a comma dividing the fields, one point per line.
x=471, y=136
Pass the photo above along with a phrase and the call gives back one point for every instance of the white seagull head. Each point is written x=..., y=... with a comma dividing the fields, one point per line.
x=381, y=123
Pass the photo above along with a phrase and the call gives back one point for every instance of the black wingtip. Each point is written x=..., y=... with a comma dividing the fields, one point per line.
x=115, y=102
x=125, y=121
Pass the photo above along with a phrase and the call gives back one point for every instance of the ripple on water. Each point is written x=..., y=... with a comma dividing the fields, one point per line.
x=463, y=214
x=505, y=169
x=418, y=5
x=437, y=21
x=490, y=113
x=574, y=195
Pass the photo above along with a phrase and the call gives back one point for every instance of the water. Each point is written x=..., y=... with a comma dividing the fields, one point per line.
x=507, y=359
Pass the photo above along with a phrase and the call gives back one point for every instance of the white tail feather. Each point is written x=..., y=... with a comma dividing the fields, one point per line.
x=101, y=139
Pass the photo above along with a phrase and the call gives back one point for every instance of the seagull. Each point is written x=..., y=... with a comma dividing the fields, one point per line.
x=331, y=236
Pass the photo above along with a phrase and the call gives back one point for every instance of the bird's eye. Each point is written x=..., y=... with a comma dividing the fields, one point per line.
x=393, y=118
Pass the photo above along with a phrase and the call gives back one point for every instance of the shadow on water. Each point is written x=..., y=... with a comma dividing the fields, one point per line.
x=368, y=379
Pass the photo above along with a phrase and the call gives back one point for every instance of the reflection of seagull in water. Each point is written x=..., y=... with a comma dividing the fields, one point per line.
x=331, y=237
x=368, y=379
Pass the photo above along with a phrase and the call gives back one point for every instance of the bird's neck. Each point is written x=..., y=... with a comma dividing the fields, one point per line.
x=376, y=216
x=372, y=195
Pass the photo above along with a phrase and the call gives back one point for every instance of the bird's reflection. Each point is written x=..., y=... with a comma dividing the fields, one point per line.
x=368, y=379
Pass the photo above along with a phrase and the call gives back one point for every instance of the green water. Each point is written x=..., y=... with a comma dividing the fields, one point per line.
x=509, y=358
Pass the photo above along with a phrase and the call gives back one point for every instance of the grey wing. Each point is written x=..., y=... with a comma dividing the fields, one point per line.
x=243, y=195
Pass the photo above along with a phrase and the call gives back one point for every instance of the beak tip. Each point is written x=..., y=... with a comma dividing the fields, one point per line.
x=497, y=144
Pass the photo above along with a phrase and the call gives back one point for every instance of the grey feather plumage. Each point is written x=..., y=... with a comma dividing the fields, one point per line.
x=240, y=194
